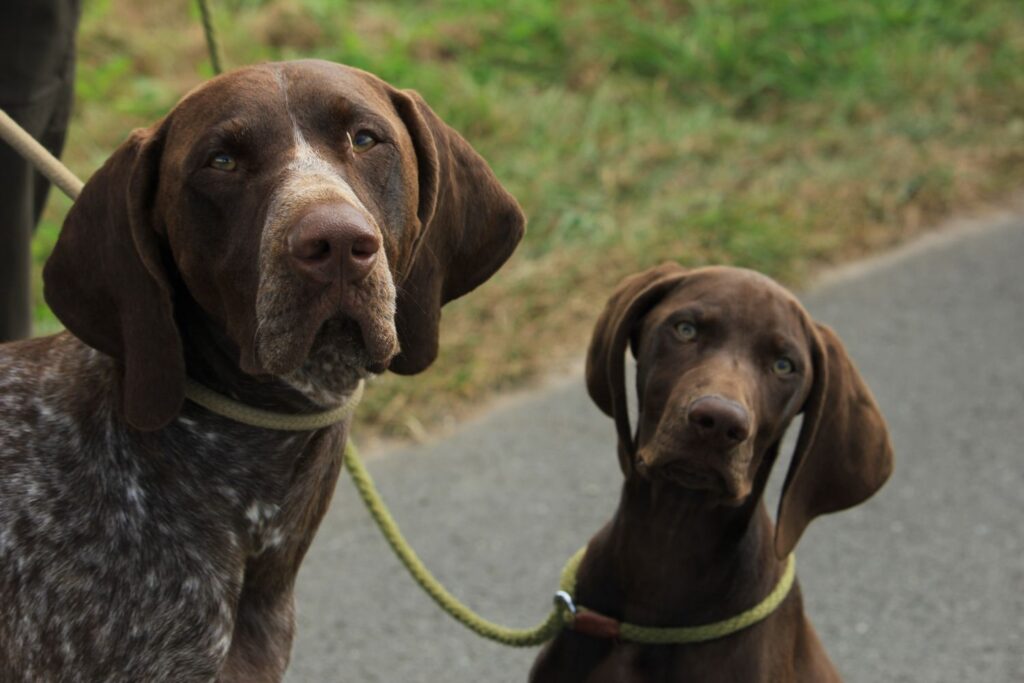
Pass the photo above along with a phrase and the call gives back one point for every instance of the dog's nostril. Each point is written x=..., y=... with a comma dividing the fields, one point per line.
x=705, y=422
x=365, y=248
x=319, y=250
x=309, y=249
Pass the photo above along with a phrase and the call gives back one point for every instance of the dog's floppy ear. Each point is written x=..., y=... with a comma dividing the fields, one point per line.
x=105, y=280
x=843, y=454
x=469, y=226
x=606, y=363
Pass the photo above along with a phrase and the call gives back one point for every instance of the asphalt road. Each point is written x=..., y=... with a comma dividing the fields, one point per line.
x=924, y=583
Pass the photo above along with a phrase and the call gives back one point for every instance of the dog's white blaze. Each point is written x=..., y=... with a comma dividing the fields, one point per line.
x=309, y=176
x=309, y=169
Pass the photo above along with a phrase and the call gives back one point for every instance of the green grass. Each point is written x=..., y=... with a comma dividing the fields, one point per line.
x=775, y=134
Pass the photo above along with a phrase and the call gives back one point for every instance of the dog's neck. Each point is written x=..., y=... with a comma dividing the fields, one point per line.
x=212, y=360
x=267, y=458
x=677, y=560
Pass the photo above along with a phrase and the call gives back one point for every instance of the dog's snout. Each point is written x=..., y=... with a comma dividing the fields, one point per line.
x=333, y=242
x=719, y=420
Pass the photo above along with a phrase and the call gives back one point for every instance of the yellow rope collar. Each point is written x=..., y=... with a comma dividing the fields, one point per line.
x=255, y=417
x=598, y=625
x=565, y=614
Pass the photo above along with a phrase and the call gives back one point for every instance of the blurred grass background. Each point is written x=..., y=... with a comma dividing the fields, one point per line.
x=780, y=135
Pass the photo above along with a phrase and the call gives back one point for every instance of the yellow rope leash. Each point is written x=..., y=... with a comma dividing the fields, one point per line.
x=565, y=613
x=561, y=616
x=528, y=637
x=222, y=405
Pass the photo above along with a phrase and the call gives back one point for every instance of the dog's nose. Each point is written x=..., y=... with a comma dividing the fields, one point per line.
x=719, y=420
x=333, y=242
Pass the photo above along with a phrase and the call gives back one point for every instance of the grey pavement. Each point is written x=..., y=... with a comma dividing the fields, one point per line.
x=923, y=583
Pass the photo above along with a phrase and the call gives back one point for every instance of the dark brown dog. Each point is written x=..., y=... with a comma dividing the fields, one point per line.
x=725, y=360
x=285, y=231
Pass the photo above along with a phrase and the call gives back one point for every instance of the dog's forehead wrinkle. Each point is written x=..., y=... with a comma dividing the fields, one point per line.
x=282, y=84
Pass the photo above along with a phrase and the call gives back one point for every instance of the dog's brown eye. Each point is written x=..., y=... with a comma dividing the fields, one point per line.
x=363, y=140
x=686, y=331
x=222, y=161
x=783, y=366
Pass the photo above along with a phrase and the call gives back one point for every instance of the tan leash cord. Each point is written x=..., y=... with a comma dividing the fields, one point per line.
x=40, y=157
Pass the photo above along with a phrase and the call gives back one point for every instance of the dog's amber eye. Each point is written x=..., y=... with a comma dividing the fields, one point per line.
x=363, y=140
x=783, y=366
x=222, y=161
x=686, y=331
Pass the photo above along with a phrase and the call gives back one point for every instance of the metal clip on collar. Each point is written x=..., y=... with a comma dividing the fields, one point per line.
x=563, y=599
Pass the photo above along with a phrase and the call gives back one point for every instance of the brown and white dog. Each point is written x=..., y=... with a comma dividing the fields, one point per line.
x=726, y=359
x=285, y=231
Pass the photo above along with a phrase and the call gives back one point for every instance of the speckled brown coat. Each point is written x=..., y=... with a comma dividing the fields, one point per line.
x=285, y=231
